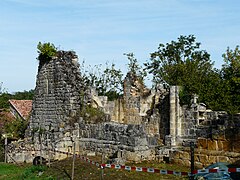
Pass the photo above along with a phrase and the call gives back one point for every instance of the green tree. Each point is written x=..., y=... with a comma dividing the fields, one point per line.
x=16, y=128
x=135, y=68
x=182, y=63
x=1, y=88
x=5, y=97
x=108, y=82
x=231, y=78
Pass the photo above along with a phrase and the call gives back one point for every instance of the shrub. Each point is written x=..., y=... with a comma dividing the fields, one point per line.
x=92, y=115
x=46, y=51
x=32, y=170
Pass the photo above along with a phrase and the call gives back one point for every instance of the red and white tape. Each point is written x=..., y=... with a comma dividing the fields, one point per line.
x=129, y=168
x=203, y=171
x=145, y=169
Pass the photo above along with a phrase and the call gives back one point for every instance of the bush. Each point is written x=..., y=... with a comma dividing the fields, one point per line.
x=32, y=171
x=92, y=115
x=16, y=128
x=46, y=51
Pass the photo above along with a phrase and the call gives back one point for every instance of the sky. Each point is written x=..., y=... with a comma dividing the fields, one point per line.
x=103, y=30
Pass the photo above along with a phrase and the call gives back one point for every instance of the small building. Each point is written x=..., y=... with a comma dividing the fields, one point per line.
x=20, y=108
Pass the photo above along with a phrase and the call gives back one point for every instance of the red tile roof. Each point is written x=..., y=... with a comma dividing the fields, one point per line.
x=23, y=107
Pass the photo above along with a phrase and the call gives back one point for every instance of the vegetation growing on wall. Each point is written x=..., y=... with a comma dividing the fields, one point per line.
x=92, y=115
x=46, y=51
x=107, y=82
x=135, y=68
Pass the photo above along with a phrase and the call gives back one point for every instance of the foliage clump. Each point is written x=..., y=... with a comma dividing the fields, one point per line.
x=16, y=128
x=107, y=82
x=33, y=171
x=92, y=115
x=46, y=51
x=183, y=63
x=5, y=97
x=230, y=75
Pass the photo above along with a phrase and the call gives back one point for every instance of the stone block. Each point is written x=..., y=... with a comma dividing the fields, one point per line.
x=184, y=155
x=175, y=155
x=177, y=161
x=236, y=146
x=202, y=143
x=198, y=165
x=222, y=159
x=186, y=163
x=226, y=146
x=212, y=159
x=220, y=145
x=196, y=157
x=212, y=145
x=219, y=137
x=233, y=155
x=203, y=158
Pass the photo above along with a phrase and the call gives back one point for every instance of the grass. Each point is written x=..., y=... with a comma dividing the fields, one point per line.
x=10, y=171
x=63, y=169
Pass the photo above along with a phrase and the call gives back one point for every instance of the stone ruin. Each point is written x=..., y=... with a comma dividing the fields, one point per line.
x=144, y=124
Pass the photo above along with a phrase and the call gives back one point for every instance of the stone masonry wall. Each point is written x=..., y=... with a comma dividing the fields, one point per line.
x=58, y=95
x=131, y=102
x=112, y=137
x=216, y=138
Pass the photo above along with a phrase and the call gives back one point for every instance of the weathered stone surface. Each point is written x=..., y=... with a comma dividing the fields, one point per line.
x=203, y=158
x=222, y=159
x=198, y=165
x=184, y=155
x=212, y=159
x=226, y=146
x=212, y=145
x=202, y=143
x=57, y=95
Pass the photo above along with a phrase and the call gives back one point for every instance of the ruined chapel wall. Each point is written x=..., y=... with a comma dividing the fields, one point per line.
x=57, y=94
x=216, y=138
x=116, y=110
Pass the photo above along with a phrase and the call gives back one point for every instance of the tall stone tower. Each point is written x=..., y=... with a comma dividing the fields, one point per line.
x=58, y=96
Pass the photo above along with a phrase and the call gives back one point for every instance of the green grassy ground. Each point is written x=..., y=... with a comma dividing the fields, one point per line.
x=63, y=169
x=10, y=171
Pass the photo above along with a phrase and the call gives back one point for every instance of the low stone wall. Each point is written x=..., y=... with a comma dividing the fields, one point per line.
x=130, y=142
x=208, y=151
x=219, y=144
x=203, y=158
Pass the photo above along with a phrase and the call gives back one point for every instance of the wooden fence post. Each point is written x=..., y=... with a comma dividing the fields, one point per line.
x=40, y=138
x=102, y=168
x=5, y=150
x=49, y=157
x=73, y=163
x=192, y=159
